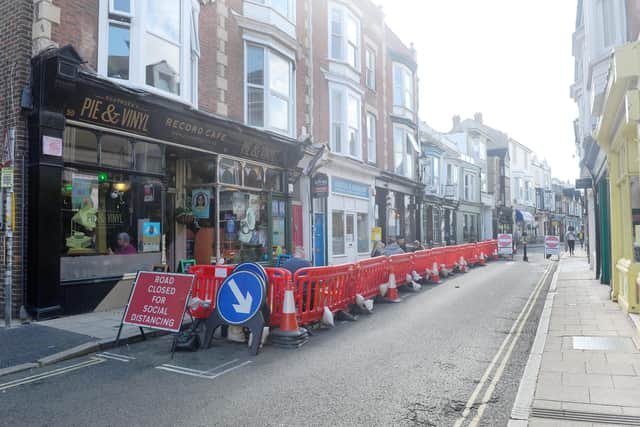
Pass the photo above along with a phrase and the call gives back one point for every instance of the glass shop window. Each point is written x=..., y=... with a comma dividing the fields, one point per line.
x=243, y=227
x=230, y=172
x=201, y=171
x=149, y=157
x=337, y=227
x=110, y=214
x=363, y=233
x=278, y=216
x=80, y=146
x=635, y=216
x=274, y=181
x=115, y=151
x=253, y=176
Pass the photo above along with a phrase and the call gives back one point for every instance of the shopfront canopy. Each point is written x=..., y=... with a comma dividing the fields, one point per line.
x=523, y=216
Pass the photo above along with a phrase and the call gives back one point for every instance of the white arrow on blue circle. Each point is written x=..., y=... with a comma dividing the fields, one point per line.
x=244, y=303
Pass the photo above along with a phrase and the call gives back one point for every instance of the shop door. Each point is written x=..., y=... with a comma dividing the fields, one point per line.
x=350, y=237
x=318, y=240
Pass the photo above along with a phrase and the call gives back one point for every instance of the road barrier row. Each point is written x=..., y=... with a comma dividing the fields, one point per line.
x=338, y=287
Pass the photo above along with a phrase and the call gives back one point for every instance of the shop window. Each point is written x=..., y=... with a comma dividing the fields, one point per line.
x=115, y=152
x=278, y=215
x=274, y=180
x=363, y=233
x=149, y=157
x=230, y=172
x=80, y=146
x=635, y=216
x=243, y=226
x=253, y=176
x=338, y=235
x=201, y=171
x=98, y=208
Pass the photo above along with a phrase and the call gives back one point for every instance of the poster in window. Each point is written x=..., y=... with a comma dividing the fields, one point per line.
x=150, y=236
x=84, y=191
x=148, y=193
x=200, y=199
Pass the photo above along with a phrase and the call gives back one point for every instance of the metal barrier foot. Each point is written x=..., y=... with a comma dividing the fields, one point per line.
x=346, y=316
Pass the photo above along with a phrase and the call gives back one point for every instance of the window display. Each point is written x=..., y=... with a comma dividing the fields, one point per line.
x=243, y=226
x=337, y=226
x=363, y=233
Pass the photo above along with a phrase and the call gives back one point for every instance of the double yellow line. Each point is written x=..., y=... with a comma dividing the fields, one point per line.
x=22, y=381
x=513, y=335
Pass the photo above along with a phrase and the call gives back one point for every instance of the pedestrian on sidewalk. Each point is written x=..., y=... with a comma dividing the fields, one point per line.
x=378, y=248
x=570, y=238
x=581, y=238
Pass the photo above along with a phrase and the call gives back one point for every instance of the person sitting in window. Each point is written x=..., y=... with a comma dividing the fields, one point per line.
x=124, y=245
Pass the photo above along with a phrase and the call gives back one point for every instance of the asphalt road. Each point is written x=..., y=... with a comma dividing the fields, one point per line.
x=412, y=363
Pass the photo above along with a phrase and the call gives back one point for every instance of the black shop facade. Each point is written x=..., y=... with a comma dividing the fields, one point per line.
x=122, y=180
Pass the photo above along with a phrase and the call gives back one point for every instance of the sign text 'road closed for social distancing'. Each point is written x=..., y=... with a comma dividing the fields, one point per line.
x=158, y=300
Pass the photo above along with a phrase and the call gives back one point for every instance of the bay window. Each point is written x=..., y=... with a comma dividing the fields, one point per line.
x=402, y=87
x=469, y=187
x=283, y=7
x=344, y=36
x=370, y=68
x=268, y=89
x=345, y=119
x=151, y=44
x=404, y=147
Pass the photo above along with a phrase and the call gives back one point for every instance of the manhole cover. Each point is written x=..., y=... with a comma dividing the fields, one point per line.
x=603, y=343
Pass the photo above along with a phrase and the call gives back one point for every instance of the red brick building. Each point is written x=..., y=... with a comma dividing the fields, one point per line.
x=182, y=129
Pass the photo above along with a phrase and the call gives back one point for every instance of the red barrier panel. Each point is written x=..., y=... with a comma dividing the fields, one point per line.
x=205, y=288
x=470, y=254
x=401, y=265
x=278, y=280
x=423, y=261
x=319, y=287
x=370, y=274
x=451, y=257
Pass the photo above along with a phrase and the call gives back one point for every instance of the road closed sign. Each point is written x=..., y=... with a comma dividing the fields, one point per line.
x=552, y=245
x=505, y=244
x=158, y=300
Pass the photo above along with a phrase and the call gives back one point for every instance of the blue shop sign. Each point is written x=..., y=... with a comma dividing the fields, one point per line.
x=350, y=188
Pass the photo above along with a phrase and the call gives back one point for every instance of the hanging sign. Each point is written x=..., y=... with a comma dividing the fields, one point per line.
x=158, y=300
x=320, y=185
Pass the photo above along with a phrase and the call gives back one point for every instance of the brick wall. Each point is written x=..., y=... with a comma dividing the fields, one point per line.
x=78, y=27
x=16, y=17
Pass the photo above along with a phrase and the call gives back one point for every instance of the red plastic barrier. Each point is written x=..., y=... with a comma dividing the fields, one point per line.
x=470, y=254
x=205, y=287
x=401, y=265
x=423, y=261
x=319, y=287
x=278, y=280
x=451, y=256
x=370, y=274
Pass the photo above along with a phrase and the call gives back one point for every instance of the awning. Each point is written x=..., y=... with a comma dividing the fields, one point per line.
x=523, y=216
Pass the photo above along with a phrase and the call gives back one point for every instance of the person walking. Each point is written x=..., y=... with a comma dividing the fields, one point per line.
x=570, y=238
x=378, y=249
x=581, y=238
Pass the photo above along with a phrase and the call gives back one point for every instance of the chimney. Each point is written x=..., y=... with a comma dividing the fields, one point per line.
x=456, y=122
x=478, y=117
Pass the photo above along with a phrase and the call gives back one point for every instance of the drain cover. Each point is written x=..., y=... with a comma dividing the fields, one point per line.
x=603, y=343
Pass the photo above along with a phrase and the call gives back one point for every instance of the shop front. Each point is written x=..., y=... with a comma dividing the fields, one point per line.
x=398, y=208
x=469, y=223
x=122, y=181
x=617, y=134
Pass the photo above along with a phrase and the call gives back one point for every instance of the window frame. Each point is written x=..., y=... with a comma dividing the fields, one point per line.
x=344, y=14
x=268, y=91
x=370, y=68
x=401, y=89
x=343, y=121
x=136, y=22
x=408, y=153
x=372, y=139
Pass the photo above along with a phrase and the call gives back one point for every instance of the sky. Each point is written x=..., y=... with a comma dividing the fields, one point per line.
x=509, y=59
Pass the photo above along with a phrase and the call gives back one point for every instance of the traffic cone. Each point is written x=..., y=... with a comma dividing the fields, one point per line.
x=482, y=260
x=435, y=274
x=392, y=291
x=289, y=335
x=462, y=265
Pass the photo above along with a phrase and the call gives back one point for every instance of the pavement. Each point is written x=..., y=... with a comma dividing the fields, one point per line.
x=584, y=367
x=37, y=344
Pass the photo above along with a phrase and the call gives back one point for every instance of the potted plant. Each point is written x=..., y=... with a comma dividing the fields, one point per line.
x=184, y=216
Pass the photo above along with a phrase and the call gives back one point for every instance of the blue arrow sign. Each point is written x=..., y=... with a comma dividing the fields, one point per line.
x=240, y=297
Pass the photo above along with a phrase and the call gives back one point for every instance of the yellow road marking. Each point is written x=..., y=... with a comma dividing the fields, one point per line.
x=485, y=376
x=49, y=374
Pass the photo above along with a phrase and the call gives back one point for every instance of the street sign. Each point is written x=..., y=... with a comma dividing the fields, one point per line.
x=240, y=297
x=584, y=183
x=505, y=244
x=158, y=300
x=552, y=245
